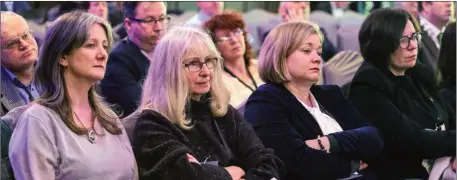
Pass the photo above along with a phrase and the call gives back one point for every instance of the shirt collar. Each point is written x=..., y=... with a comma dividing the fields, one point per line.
x=13, y=77
x=10, y=74
x=142, y=52
x=336, y=12
x=428, y=26
x=431, y=30
x=314, y=101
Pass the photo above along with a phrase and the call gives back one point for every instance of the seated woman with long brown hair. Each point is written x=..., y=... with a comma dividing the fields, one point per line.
x=69, y=132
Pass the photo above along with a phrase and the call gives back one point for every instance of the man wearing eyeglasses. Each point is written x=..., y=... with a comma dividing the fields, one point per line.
x=128, y=63
x=19, y=52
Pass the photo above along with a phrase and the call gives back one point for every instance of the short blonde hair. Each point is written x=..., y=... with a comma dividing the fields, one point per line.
x=166, y=89
x=280, y=43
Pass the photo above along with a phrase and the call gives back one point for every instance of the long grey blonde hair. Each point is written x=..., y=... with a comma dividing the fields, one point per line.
x=166, y=89
x=67, y=33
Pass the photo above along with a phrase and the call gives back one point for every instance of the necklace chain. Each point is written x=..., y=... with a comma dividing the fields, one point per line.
x=91, y=135
x=81, y=121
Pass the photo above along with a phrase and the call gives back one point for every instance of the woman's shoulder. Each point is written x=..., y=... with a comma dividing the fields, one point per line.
x=149, y=117
x=329, y=92
x=269, y=90
x=270, y=94
x=369, y=76
x=367, y=73
x=37, y=116
x=39, y=112
x=326, y=88
x=422, y=75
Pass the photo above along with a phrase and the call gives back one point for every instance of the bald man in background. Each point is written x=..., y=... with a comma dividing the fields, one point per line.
x=19, y=53
x=411, y=7
x=207, y=10
x=300, y=11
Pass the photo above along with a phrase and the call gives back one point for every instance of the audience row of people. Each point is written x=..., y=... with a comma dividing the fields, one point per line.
x=184, y=120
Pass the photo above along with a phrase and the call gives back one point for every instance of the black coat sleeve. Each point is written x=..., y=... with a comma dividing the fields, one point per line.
x=270, y=120
x=257, y=161
x=119, y=85
x=400, y=132
x=161, y=155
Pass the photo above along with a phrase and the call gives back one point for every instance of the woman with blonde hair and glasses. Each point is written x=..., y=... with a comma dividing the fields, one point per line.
x=69, y=132
x=187, y=129
x=313, y=129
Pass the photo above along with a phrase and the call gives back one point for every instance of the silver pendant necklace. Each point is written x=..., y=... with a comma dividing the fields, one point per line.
x=91, y=135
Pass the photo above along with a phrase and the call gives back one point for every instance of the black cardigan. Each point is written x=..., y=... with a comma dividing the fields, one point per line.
x=160, y=147
x=284, y=124
x=403, y=120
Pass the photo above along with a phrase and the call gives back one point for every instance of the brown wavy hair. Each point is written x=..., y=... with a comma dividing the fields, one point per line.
x=230, y=20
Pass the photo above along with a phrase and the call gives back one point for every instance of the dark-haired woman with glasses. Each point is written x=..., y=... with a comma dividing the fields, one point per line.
x=240, y=76
x=187, y=129
x=399, y=95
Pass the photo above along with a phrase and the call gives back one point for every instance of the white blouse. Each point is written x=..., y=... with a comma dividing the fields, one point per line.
x=327, y=124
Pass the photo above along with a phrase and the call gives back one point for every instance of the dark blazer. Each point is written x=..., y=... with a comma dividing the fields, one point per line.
x=19, y=7
x=10, y=97
x=428, y=52
x=126, y=69
x=406, y=125
x=284, y=124
x=160, y=147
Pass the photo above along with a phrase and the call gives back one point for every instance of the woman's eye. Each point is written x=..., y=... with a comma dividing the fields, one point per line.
x=307, y=51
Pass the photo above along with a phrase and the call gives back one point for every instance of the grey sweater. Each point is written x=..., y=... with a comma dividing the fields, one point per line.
x=42, y=147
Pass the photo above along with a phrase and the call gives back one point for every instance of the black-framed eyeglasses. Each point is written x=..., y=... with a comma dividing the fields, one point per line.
x=152, y=21
x=236, y=32
x=195, y=65
x=15, y=43
x=405, y=41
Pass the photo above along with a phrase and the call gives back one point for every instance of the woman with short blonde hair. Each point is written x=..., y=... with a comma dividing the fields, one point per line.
x=187, y=129
x=282, y=42
x=313, y=129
